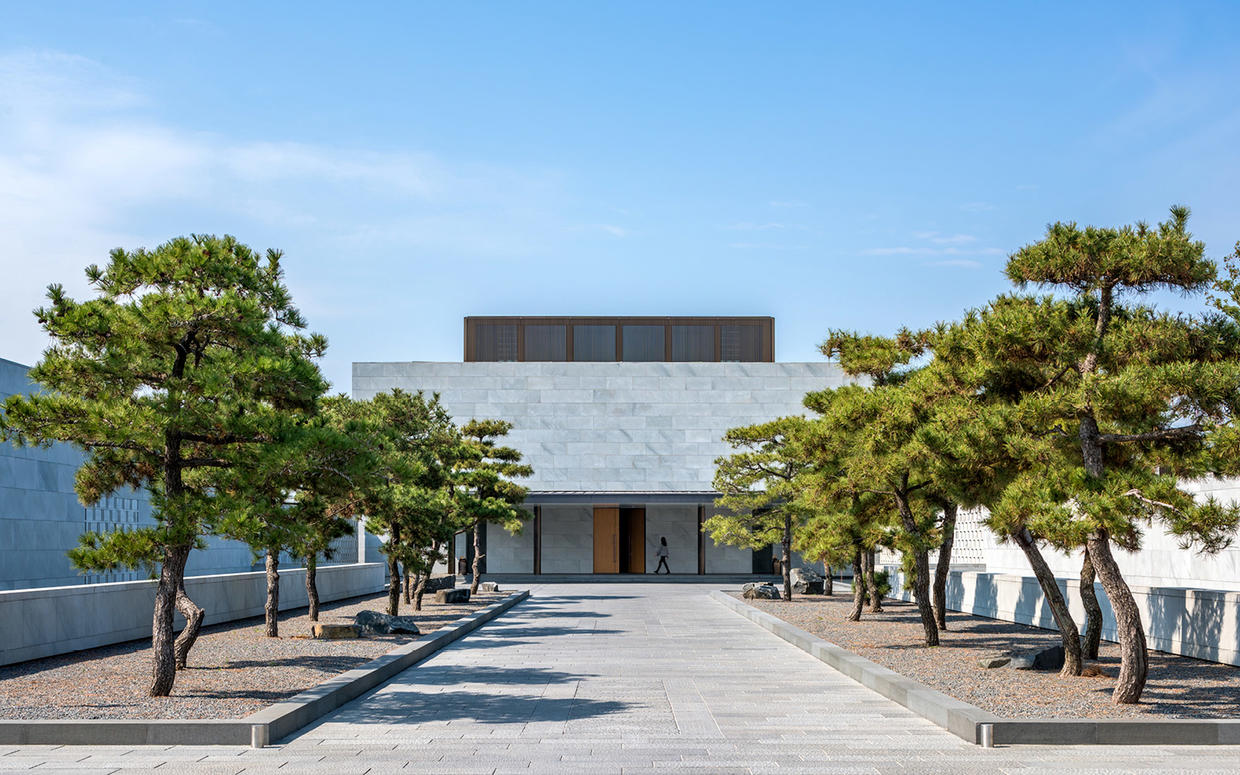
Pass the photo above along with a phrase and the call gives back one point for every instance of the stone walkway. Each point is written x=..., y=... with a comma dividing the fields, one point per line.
x=621, y=678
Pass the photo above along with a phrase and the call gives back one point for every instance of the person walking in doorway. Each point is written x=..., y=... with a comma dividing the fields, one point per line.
x=662, y=553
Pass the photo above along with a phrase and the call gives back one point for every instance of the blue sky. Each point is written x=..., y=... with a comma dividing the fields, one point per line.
x=863, y=166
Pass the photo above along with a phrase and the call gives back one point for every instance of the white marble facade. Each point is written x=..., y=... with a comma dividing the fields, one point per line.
x=615, y=430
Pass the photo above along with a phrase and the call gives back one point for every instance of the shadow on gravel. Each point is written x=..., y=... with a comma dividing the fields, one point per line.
x=326, y=663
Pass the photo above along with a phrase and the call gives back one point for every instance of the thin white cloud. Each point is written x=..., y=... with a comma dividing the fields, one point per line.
x=764, y=246
x=752, y=226
x=977, y=207
x=958, y=263
x=84, y=168
x=937, y=244
x=927, y=250
x=945, y=239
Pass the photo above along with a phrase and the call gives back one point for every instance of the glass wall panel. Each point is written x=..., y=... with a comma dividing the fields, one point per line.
x=740, y=343
x=594, y=343
x=693, y=343
x=643, y=343
x=545, y=343
x=496, y=342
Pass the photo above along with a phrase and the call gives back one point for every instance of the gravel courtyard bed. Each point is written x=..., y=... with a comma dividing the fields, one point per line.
x=233, y=670
x=1178, y=687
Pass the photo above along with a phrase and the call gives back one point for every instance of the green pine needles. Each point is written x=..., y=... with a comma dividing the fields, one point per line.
x=189, y=362
x=1071, y=417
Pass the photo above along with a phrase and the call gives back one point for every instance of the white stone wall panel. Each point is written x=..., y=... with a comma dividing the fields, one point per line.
x=615, y=427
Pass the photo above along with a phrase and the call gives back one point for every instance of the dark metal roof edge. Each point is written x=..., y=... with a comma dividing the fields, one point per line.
x=586, y=496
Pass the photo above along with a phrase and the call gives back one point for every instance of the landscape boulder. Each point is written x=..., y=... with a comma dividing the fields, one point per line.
x=436, y=583
x=488, y=586
x=806, y=581
x=452, y=596
x=994, y=660
x=1044, y=659
x=376, y=623
x=760, y=591
x=325, y=631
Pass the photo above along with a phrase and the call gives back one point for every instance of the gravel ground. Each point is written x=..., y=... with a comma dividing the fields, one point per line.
x=233, y=671
x=1178, y=687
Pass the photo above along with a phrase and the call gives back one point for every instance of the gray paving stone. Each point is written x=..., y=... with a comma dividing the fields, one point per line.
x=625, y=679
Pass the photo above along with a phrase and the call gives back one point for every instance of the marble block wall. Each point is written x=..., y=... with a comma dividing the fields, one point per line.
x=567, y=539
x=679, y=525
x=612, y=427
x=510, y=552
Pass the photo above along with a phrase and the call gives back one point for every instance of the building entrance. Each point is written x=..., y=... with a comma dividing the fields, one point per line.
x=619, y=539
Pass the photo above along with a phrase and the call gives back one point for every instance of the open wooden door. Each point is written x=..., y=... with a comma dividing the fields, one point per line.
x=606, y=539
x=633, y=526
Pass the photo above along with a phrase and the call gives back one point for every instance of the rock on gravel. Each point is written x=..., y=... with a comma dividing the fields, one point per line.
x=452, y=596
x=806, y=581
x=375, y=623
x=758, y=591
x=332, y=631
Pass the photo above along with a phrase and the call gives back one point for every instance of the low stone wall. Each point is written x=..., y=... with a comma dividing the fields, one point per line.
x=1199, y=623
x=43, y=622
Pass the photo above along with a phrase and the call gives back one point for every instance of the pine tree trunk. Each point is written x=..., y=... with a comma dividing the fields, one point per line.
x=1068, y=634
x=1134, y=661
x=271, y=611
x=828, y=582
x=944, y=565
x=171, y=576
x=420, y=591
x=1093, y=612
x=393, y=606
x=193, y=623
x=312, y=586
x=473, y=587
x=858, y=588
x=871, y=584
x=921, y=594
x=408, y=586
x=785, y=557
x=921, y=567
x=393, y=572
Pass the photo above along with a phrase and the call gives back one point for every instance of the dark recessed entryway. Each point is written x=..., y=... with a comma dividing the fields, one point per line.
x=619, y=539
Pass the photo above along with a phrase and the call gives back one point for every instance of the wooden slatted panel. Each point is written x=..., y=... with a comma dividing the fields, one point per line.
x=606, y=539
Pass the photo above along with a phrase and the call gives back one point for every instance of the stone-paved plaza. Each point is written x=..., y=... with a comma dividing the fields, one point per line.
x=620, y=678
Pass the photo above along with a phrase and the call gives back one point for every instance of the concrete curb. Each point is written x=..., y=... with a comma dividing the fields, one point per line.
x=264, y=726
x=969, y=722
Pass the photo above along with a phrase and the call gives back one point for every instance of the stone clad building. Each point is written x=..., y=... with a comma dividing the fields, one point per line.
x=621, y=419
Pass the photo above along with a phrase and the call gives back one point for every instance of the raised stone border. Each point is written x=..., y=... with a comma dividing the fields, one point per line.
x=970, y=722
x=259, y=728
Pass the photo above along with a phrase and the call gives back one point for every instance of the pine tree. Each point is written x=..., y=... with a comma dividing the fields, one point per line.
x=1126, y=401
x=487, y=493
x=969, y=439
x=758, y=490
x=870, y=436
x=414, y=502
x=187, y=362
x=296, y=500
